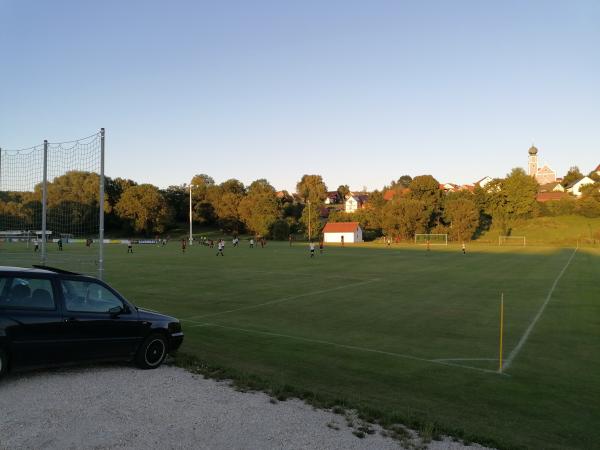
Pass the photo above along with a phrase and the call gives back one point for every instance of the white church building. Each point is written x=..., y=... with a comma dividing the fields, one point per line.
x=543, y=175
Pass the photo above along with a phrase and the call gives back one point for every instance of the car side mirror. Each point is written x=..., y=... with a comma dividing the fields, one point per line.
x=116, y=310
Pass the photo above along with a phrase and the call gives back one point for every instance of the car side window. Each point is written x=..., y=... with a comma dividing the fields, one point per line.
x=26, y=293
x=88, y=296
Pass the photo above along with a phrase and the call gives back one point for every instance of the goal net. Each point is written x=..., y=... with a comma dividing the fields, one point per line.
x=431, y=239
x=50, y=197
x=512, y=240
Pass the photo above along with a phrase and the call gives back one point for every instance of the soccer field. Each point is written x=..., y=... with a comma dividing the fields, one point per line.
x=401, y=333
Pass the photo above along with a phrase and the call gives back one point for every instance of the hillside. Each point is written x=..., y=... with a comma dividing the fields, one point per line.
x=560, y=230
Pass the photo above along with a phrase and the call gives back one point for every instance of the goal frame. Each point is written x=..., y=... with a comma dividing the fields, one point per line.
x=503, y=239
x=435, y=242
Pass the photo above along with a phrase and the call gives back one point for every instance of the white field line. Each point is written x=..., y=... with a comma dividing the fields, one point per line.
x=351, y=347
x=465, y=359
x=281, y=300
x=297, y=273
x=529, y=329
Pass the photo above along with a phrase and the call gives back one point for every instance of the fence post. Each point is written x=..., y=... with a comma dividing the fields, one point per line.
x=101, y=212
x=44, y=202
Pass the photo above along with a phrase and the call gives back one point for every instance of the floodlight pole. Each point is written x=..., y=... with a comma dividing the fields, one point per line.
x=309, y=220
x=101, y=211
x=44, y=201
x=191, y=239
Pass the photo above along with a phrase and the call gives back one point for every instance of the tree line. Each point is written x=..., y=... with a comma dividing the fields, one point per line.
x=398, y=211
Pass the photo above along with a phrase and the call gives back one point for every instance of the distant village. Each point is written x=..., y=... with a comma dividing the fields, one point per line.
x=551, y=187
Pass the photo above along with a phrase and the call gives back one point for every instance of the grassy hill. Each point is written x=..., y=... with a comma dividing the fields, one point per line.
x=560, y=230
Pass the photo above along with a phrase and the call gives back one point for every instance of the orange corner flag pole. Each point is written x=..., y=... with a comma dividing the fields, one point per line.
x=501, y=330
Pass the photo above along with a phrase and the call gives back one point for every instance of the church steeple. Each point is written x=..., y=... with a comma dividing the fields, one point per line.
x=533, y=161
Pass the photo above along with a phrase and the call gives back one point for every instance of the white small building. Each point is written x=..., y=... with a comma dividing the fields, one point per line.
x=575, y=188
x=342, y=232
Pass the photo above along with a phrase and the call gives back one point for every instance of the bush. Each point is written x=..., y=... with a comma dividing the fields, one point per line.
x=280, y=230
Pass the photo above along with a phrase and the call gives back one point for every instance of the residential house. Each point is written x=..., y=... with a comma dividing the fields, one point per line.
x=551, y=187
x=332, y=198
x=575, y=187
x=485, y=180
x=355, y=202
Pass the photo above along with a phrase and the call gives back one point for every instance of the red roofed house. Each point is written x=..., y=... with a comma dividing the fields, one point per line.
x=550, y=196
x=350, y=231
x=391, y=193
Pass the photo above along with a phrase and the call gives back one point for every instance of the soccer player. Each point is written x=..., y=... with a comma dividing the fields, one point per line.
x=342, y=240
x=59, y=244
x=321, y=246
x=183, y=245
x=290, y=239
x=221, y=246
x=129, y=246
x=312, y=249
x=464, y=248
x=251, y=242
x=37, y=246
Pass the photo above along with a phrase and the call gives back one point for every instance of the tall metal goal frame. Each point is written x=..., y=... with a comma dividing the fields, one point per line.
x=42, y=152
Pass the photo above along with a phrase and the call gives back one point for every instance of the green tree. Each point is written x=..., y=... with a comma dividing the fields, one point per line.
x=403, y=217
x=521, y=191
x=462, y=214
x=589, y=204
x=280, y=230
x=311, y=219
x=574, y=174
x=225, y=200
x=426, y=189
x=343, y=190
x=177, y=197
x=203, y=211
x=259, y=209
x=404, y=181
x=145, y=208
x=312, y=187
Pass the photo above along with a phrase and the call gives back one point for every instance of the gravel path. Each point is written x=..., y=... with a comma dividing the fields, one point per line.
x=123, y=407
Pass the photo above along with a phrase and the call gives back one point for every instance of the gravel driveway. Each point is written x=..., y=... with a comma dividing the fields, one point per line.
x=123, y=407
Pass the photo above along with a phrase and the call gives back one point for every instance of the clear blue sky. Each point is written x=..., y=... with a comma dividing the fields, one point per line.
x=360, y=92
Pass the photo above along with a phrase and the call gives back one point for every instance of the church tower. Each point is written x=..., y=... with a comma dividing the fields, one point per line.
x=533, y=161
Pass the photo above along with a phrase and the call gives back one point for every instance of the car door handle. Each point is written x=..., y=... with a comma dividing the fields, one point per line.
x=70, y=319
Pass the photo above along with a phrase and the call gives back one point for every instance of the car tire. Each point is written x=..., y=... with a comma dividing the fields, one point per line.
x=3, y=363
x=152, y=352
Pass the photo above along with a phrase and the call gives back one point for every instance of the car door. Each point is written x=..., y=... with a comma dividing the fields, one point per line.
x=99, y=324
x=32, y=319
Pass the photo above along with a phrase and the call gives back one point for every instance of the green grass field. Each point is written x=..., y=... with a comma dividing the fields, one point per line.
x=400, y=333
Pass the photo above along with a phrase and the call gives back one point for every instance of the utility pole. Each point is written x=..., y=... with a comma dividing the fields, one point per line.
x=191, y=236
x=309, y=222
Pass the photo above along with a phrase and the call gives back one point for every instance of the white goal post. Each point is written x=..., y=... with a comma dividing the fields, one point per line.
x=431, y=239
x=512, y=240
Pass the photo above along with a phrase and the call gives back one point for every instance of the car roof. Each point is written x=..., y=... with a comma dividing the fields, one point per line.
x=24, y=269
x=42, y=270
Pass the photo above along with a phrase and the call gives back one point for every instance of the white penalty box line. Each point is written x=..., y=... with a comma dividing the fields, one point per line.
x=281, y=300
x=523, y=340
x=443, y=362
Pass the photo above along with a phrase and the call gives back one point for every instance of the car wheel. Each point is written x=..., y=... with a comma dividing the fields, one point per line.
x=3, y=363
x=152, y=352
